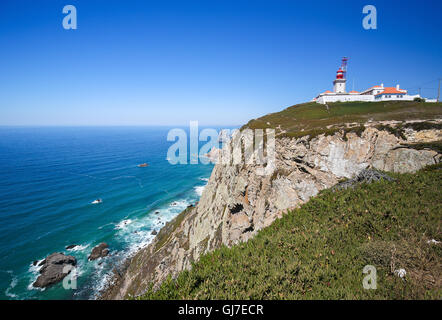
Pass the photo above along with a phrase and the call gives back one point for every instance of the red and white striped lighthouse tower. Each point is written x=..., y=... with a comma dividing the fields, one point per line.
x=339, y=82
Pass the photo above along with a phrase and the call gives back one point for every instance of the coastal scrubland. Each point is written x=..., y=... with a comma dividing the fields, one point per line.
x=313, y=119
x=319, y=250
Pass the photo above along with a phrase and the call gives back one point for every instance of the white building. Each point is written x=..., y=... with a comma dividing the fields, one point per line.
x=375, y=93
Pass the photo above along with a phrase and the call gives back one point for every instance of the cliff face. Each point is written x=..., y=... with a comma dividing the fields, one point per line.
x=237, y=201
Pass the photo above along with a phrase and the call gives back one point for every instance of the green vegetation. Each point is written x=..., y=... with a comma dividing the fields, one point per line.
x=166, y=232
x=435, y=146
x=319, y=250
x=399, y=130
x=313, y=118
x=279, y=172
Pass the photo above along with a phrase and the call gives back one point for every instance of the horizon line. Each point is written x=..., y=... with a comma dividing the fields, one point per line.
x=111, y=125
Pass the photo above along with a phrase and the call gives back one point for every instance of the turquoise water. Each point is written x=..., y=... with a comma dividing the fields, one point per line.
x=50, y=176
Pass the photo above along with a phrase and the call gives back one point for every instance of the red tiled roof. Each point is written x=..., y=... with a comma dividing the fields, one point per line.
x=390, y=90
x=353, y=91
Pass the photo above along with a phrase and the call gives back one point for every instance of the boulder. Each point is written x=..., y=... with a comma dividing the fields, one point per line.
x=72, y=246
x=365, y=176
x=54, y=269
x=154, y=233
x=99, y=251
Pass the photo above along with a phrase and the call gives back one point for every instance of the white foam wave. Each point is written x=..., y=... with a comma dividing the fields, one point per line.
x=79, y=247
x=123, y=224
x=199, y=190
x=180, y=204
x=12, y=285
x=104, y=281
x=34, y=270
x=105, y=225
x=137, y=234
x=31, y=287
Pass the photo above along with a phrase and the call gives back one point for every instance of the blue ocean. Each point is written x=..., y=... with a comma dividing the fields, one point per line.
x=49, y=177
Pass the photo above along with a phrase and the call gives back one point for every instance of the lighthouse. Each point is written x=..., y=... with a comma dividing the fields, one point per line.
x=341, y=77
x=375, y=93
x=339, y=82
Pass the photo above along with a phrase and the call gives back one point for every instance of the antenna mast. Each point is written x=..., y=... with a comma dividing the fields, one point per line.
x=344, y=66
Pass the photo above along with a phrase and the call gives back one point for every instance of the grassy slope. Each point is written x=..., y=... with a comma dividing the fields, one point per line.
x=312, y=117
x=319, y=250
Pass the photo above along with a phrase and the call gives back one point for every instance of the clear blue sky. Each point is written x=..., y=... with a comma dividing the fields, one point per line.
x=220, y=62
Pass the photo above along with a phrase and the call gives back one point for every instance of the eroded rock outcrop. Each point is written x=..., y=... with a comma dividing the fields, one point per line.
x=54, y=268
x=99, y=251
x=238, y=200
x=365, y=176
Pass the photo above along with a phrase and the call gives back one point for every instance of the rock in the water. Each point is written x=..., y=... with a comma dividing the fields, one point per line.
x=154, y=233
x=53, y=269
x=72, y=246
x=35, y=263
x=99, y=251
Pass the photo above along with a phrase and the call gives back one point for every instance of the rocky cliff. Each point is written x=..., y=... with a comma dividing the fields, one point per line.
x=237, y=201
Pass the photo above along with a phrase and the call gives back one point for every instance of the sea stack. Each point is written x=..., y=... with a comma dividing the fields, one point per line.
x=99, y=251
x=54, y=268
